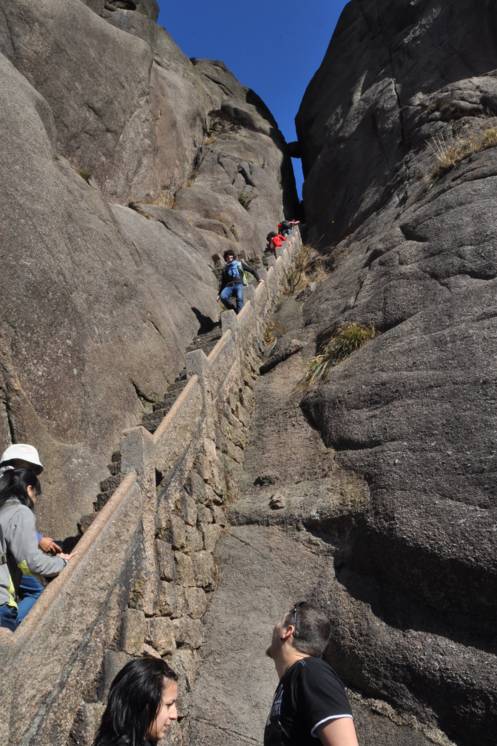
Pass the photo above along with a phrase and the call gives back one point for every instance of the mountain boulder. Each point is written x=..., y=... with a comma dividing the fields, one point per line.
x=398, y=132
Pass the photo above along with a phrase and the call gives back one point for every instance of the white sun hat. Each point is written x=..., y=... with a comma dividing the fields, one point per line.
x=23, y=452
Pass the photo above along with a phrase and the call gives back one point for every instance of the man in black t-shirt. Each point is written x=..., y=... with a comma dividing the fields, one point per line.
x=310, y=703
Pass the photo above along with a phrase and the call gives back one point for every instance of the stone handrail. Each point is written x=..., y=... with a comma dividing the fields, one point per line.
x=106, y=599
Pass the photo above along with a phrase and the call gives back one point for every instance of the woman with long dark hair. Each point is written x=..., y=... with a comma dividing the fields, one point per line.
x=141, y=704
x=19, y=490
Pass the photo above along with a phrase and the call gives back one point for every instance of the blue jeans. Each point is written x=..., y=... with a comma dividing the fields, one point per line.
x=232, y=290
x=8, y=617
x=30, y=590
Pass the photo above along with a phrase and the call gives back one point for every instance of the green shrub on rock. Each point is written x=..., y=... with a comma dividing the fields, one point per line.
x=347, y=339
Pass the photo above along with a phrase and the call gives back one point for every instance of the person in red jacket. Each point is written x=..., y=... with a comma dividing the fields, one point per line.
x=274, y=241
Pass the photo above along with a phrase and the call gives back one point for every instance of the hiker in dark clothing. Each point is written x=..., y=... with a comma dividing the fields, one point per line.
x=232, y=280
x=286, y=226
x=310, y=705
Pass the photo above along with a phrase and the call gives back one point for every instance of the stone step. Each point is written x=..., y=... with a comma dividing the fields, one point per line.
x=205, y=341
x=114, y=467
x=111, y=483
x=101, y=500
x=152, y=420
x=172, y=392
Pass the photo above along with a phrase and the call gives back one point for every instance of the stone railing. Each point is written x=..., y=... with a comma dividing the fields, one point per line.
x=143, y=571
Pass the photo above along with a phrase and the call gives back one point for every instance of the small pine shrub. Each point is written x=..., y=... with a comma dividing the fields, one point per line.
x=348, y=338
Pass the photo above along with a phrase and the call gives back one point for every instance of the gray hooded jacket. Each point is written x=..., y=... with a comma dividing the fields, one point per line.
x=18, y=536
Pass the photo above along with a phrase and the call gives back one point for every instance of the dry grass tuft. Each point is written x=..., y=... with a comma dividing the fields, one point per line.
x=450, y=152
x=271, y=333
x=308, y=267
x=347, y=339
x=245, y=198
x=163, y=199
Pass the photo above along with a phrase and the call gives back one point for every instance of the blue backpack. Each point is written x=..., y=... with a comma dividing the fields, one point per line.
x=234, y=271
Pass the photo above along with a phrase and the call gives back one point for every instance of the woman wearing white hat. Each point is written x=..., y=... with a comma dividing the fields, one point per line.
x=29, y=587
x=19, y=490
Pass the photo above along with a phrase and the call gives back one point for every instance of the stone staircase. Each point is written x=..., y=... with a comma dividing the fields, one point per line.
x=205, y=341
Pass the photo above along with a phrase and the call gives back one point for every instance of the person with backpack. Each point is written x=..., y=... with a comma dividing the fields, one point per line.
x=233, y=280
x=286, y=227
x=24, y=456
x=274, y=241
x=19, y=490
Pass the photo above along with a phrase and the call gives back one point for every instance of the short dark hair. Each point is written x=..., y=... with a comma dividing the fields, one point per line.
x=312, y=628
x=229, y=252
x=134, y=701
x=272, y=234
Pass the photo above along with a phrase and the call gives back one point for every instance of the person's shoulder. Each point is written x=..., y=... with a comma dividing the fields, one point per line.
x=21, y=511
x=13, y=512
x=14, y=505
x=318, y=667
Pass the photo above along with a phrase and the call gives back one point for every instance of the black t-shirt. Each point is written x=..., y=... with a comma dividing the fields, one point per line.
x=309, y=695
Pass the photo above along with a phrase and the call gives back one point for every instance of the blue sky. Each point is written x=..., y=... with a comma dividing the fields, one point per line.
x=272, y=46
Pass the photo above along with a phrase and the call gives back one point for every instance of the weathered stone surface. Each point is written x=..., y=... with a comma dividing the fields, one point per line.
x=211, y=533
x=161, y=634
x=273, y=558
x=149, y=8
x=171, y=600
x=185, y=662
x=86, y=723
x=283, y=349
x=133, y=631
x=188, y=509
x=188, y=632
x=196, y=602
x=204, y=569
x=111, y=292
x=165, y=556
x=194, y=539
x=233, y=692
x=178, y=532
x=412, y=412
x=114, y=661
x=185, y=575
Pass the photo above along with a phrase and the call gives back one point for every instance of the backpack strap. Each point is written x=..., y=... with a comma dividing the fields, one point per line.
x=3, y=549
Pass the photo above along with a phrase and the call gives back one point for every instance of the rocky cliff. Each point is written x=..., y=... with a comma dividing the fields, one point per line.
x=398, y=131
x=125, y=167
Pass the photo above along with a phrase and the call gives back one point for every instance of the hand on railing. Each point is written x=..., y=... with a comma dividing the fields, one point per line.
x=67, y=557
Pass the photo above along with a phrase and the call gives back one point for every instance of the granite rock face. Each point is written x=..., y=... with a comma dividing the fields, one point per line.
x=286, y=532
x=398, y=142
x=124, y=168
